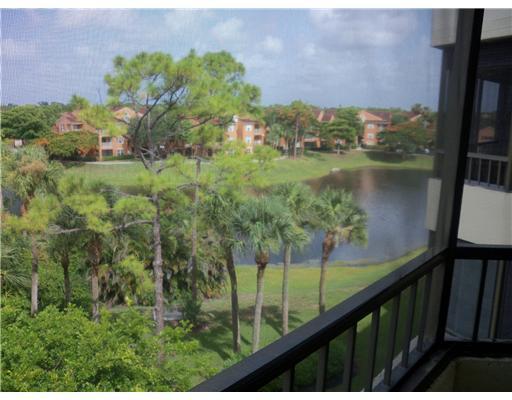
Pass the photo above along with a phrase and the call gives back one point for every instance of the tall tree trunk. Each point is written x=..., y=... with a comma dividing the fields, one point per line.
x=327, y=247
x=286, y=266
x=64, y=262
x=35, y=276
x=235, y=309
x=95, y=293
x=94, y=260
x=296, y=138
x=193, y=252
x=157, y=267
x=258, y=308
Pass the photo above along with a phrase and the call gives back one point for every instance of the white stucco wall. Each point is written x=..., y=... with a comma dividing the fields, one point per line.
x=486, y=215
x=497, y=24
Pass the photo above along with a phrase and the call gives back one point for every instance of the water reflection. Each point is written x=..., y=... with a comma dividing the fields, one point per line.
x=395, y=201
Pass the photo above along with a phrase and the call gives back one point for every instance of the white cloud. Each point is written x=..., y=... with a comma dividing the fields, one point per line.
x=230, y=29
x=273, y=44
x=309, y=50
x=186, y=20
x=364, y=28
x=18, y=48
x=123, y=19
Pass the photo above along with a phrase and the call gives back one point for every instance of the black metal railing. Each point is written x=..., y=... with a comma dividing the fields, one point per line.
x=280, y=358
x=489, y=316
x=487, y=170
x=406, y=297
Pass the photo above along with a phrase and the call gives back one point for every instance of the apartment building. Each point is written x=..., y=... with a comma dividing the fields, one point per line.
x=373, y=124
x=248, y=130
x=323, y=116
x=71, y=122
x=107, y=144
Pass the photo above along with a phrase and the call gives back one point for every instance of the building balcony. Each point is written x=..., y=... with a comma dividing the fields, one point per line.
x=486, y=211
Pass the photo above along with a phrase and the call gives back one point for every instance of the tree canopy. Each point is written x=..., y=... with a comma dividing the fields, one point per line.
x=24, y=122
x=406, y=138
x=188, y=93
x=345, y=126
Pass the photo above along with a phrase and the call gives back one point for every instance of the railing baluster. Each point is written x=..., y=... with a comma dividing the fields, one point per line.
x=478, y=312
x=374, y=336
x=393, y=324
x=321, y=376
x=349, y=358
x=489, y=173
x=479, y=175
x=498, y=179
x=409, y=325
x=424, y=310
x=288, y=380
x=496, y=301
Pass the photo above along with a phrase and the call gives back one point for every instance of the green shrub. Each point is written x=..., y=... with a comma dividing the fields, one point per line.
x=66, y=351
x=191, y=308
x=51, y=285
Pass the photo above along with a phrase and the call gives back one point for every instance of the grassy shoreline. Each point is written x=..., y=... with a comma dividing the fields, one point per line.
x=312, y=165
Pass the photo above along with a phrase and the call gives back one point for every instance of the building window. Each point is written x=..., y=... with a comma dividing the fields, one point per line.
x=248, y=128
x=120, y=152
x=120, y=140
x=107, y=153
x=371, y=126
x=62, y=128
x=371, y=136
x=248, y=139
x=231, y=128
x=106, y=139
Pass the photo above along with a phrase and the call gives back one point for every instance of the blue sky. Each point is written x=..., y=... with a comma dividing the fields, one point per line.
x=325, y=57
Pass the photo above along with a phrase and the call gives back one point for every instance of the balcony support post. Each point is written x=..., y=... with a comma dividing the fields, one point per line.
x=461, y=91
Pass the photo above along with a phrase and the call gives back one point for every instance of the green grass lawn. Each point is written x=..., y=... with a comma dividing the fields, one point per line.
x=313, y=165
x=342, y=282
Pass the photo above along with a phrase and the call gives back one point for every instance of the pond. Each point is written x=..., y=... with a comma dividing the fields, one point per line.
x=395, y=201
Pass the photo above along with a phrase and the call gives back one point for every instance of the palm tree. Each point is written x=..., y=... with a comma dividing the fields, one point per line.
x=263, y=224
x=343, y=222
x=95, y=210
x=299, y=200
x=275, y=133
x=12, y=274
x=27, y=172
x=220, y=210
x=62, y=246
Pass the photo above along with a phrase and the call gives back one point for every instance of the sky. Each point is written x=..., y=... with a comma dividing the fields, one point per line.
x=329, y=58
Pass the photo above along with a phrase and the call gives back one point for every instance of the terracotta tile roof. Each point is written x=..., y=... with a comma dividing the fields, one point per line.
x=70, y=117
x=412, y=115
x=367, y=116
x=328, y=115
x=384, y=115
